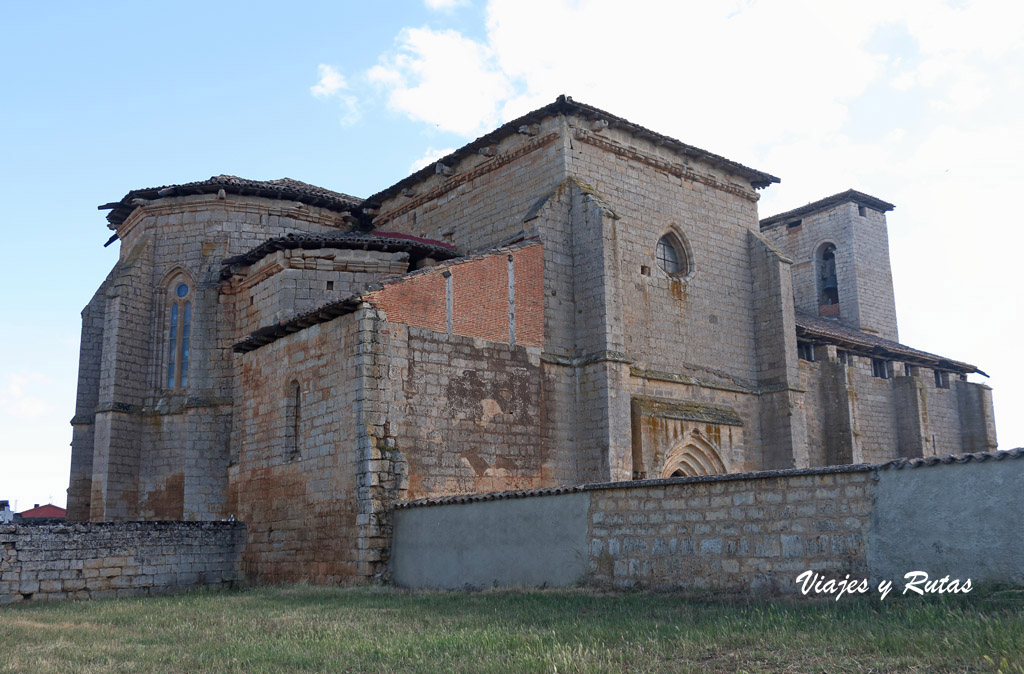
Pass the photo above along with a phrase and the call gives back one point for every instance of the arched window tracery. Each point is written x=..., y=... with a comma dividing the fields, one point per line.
x=180, y=297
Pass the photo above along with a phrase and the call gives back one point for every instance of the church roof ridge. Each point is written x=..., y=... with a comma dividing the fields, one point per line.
x=564, y=105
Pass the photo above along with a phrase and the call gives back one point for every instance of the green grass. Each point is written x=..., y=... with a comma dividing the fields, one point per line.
x=314, y=629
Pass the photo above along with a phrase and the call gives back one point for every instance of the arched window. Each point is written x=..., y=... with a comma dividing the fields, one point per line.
x=671, y=256
x=293, y=420
x=179, y=332
x=828, y=283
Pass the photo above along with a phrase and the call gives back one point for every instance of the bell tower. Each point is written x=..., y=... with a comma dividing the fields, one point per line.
x=840, y=251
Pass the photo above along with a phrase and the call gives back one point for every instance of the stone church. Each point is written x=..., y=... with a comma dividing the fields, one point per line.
x=571, y=298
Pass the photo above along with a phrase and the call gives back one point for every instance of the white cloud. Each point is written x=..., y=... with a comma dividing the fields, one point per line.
x=24, y=395
x=915, y=101
x=429, y=157
x=444, y=79
x=332, y=84
x=444, y=5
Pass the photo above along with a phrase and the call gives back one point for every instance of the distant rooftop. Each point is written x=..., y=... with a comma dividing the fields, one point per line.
x=48, y=510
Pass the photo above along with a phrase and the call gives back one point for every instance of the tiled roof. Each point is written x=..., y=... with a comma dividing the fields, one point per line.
x=977, y=457
x=828, y=202
x=417, y=247
x=284, y=188
x=274, y=332
x=898, y=464
x=810, y=326
x=48, y=510
x=564, y=105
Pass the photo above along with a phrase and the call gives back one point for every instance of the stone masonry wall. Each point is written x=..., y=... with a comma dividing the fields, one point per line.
x=120, y=398
x=863, y=269
x=100, y=560
x=292, y=281
x=702, y=321
x=466, y=414
x=297, y=492
x=750, y=533
x=858, y=417
x=755, y=534
x=464, y=394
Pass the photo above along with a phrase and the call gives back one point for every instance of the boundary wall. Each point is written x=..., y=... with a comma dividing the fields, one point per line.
x=116, y=559
x=752, y=532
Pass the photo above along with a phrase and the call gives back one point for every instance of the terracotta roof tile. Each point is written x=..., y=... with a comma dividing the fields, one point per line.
x=857, y=341
x=416, y=246
x=283, y=188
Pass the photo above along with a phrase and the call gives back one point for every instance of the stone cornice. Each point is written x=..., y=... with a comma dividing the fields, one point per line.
x=672, y=168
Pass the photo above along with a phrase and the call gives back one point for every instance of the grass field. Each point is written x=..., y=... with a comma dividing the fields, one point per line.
x=310, y=629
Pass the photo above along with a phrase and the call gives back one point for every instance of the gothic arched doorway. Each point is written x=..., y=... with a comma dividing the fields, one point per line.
x=693, y=456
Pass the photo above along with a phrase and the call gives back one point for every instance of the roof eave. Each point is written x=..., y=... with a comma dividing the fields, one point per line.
x=850, y=195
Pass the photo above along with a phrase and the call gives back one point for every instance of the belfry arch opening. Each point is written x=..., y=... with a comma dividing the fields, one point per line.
x=828, y=282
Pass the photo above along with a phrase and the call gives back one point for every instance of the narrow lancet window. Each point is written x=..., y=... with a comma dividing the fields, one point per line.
x=293, y=421
x=179, y=334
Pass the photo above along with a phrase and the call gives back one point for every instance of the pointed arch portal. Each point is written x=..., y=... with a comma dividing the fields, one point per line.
x=693, y=456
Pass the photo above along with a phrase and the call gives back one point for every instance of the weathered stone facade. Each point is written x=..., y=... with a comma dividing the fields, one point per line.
x=569, y=299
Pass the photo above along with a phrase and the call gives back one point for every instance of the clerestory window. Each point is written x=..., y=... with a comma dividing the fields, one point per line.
x=179, y=333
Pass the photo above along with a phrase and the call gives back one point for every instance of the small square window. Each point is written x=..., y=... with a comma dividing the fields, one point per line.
x=941, y=379
x=805, y=351
x=862, y=211
x=881, y=368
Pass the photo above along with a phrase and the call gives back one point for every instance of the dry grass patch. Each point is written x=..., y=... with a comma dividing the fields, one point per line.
x=311, y=629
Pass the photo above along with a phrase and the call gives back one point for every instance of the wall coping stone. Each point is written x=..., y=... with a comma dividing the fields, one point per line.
x=898, y=464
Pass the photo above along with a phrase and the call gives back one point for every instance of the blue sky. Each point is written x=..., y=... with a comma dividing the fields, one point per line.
x=917, y=103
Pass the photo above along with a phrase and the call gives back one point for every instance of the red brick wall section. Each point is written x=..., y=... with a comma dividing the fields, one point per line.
x=529, y=293
x=480, y=294
x=418, y=300
x=480, y=306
